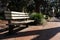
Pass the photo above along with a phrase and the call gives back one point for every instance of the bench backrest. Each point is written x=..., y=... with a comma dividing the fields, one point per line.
x=16, y=15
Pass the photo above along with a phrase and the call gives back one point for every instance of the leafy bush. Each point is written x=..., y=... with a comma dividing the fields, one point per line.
x=38, y=17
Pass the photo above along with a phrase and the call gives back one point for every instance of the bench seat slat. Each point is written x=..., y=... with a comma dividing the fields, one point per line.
x=13, y=12
x=16, y=13
x=20, y=22
x=17, y=17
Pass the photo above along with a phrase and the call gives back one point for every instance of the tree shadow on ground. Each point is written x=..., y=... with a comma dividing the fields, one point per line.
x=45, y=34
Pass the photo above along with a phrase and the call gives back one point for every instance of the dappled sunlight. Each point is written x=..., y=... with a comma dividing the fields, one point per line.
x=27, y=37
x=23, y=38
x=33, y=33
x=56, y=37
x=32, y=28
x=44, y=34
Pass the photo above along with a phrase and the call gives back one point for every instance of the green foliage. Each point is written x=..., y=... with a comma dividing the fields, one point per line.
x=38, y=17
x=1, y=17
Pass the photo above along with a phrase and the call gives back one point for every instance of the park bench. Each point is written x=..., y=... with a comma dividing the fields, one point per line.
x=19, y=19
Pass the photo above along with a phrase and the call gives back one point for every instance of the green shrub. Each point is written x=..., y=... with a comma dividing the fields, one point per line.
x=38, y=17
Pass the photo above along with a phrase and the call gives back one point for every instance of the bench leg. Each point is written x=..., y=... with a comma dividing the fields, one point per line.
x=10, y=29
x=26, y=25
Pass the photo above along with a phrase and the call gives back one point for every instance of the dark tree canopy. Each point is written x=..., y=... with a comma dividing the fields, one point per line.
x=44, y=6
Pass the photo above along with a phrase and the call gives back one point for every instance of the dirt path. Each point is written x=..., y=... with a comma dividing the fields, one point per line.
x=50, y=31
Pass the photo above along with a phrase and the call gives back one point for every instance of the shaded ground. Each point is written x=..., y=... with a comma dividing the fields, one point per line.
x=50, y=31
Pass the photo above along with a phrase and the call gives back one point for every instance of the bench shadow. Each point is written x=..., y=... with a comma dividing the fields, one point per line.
x=2, y=30
x=45, y=34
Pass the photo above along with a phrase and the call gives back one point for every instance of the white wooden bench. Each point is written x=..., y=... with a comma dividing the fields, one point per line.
x=19, y=17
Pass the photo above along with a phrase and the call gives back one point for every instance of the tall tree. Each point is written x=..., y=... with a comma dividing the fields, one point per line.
x=38, y=3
